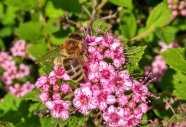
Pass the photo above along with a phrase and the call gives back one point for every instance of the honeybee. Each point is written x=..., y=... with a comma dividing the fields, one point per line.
x=71, y=56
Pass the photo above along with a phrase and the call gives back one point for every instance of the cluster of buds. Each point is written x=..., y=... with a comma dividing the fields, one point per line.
x=159, y=66
x=14, y=72
x=178, y=7
x=120, y=99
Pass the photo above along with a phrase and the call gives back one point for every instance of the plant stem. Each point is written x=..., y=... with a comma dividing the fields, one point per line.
x=101, y=4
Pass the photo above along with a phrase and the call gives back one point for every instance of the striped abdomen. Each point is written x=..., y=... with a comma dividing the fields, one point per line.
x=74, y=70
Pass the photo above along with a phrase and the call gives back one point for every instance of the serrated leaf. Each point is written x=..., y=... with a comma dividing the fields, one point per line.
x=179, y=85
x=22, y=4
x=128, y=24
x=159, y=15
x=37, y=50
x=122, y=3
x=174, y=57
x=52, y=26
x=134, y=55
x=9, y=103
x=46, y=67
x=166, y=34
x=33, y=95
x=30, y=31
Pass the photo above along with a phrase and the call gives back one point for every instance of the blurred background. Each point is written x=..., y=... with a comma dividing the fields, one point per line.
x=31, y=28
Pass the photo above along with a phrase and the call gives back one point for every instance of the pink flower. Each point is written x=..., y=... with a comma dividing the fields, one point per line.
x=114, y=117
x=19, y=48
x=65, y=88
x=43, y=79
x=59, y=108
x=24, y=70
x=183, y=12
x=106, y=72
x=103, y=99
x=143, y=107
x=56, y=96
x=123, y=100
x=83, y=100
x=53, y=80
x=44, y=97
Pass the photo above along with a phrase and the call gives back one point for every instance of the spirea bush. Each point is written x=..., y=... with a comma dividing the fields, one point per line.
x=135, y=70
x=122, y=101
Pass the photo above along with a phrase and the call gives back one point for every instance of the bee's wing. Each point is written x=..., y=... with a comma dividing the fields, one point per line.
x=49, y=56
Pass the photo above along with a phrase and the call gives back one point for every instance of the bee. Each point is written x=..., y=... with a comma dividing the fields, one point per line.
x=71, y=56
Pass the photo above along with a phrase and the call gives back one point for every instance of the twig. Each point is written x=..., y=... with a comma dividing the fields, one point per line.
x=109, y=16
x=92, y=18
x=86, y=10
x=174, y=114
x=101, y=4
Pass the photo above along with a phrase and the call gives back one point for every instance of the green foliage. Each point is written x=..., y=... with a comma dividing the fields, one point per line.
x=166, y=34
x=134, y=55
x=122, y=3
x=23, y=4
x=30, y=31
x=179, y=85
x=52, y=26
x=73, y=121
x=128, y=24
x=37, y=50
x=159, y=15
x=33, y=95
x=175, y=59
x=53, y=12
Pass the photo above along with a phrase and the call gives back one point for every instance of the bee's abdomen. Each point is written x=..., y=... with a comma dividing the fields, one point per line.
x=74, y=70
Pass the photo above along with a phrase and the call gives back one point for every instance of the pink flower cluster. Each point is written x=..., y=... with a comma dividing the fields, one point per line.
x=178, y=7
x=20, y=90
x=13, y=71
x=19, y=48
x=121, y=100
x=159, y=66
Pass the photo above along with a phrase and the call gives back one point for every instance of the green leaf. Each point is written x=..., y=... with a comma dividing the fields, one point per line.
x=9, y=16
x=163, y=114
x=33, y=95
x=52, y=26
x=68, y=5
x=122, y=3
x=179, y=85
x=23, y=4
x=9, y=103
x=5, y=31
x=174, y=57
x=37, y=50
x=159, y=15
x=128, y=24
x=2, y=46
x=30, y=31
x=166, y=81
x=134, y=55
x=46, y=67
x=53, y=12
x=166, y=34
